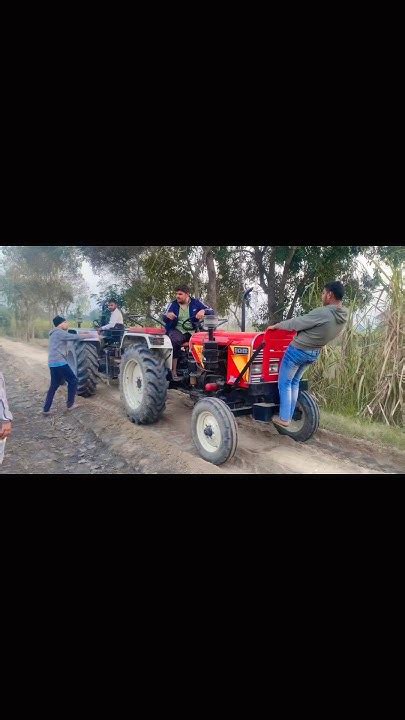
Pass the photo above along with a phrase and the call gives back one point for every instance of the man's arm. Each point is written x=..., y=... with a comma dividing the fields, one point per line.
x=169, y=312
x=203, y=309
x=73, y=336
x=116, y=317
x=303, y=322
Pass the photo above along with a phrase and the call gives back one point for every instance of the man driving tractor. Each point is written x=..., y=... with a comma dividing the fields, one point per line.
x=183, y=308
x=116, y=320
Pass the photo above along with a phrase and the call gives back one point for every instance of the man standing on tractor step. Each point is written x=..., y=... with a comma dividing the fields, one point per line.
x=184, y=307
x=314, y=330
x=58, y=364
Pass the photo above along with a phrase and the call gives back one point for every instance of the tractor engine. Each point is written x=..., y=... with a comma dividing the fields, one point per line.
x=110, y=357
x=244, y=364
x=206, y=362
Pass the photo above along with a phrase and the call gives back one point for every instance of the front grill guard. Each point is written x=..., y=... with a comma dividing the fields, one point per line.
x=256, y=379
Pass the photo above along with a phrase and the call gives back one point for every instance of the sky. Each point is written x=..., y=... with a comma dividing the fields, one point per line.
x=91, y=279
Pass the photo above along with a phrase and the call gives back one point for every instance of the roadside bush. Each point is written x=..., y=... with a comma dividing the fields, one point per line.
x=363, y=373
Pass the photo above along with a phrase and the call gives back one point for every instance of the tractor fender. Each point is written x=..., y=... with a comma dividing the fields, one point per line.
x=157, y=343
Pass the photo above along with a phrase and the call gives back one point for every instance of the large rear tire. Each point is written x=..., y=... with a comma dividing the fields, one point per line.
x=214, y=430
x=303, y=429
x=83, y=360
x=143, y=384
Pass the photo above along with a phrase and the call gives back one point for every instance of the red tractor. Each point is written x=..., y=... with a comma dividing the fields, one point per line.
x=230, y=374
x=226, y=373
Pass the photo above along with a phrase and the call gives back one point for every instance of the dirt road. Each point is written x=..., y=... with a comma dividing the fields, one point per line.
x=98, y=437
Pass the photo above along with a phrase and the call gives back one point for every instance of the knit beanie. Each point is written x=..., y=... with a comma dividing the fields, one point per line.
x=58, y=320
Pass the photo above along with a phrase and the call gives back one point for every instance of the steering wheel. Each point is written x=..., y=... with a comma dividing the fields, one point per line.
x=188, y=326
x=200, y=325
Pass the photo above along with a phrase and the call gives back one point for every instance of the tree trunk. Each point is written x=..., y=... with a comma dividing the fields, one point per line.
x=196, y=279
x=236, y=317
x=208, y=257
x=298, y=293
x=271, y=285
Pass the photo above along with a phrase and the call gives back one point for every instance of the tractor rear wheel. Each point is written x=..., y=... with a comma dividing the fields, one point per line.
x=143, y=384
x=302, y=429
x=83, y=360
x=214, y=430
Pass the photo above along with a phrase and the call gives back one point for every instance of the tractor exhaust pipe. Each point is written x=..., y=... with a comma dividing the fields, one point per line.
x=244, y=298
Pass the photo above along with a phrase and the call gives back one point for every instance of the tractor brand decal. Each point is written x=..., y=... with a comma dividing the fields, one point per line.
x=238, y=357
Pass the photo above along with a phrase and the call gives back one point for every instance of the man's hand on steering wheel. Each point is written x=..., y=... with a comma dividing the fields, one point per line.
x=188, y=326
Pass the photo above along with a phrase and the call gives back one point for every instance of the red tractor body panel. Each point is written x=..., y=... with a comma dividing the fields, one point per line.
x=277, y=342
x=241, y=346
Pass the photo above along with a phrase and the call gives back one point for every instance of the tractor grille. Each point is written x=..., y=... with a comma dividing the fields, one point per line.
x=255, y=379
x=157, y=340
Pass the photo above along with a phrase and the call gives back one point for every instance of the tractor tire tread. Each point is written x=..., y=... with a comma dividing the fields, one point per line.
x=154, y=400
x=86, y=369
x=311, y=421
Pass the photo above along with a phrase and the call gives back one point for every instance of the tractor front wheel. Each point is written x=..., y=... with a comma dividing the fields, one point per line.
x=304, y=427
x=214, y=430
x=143, y=384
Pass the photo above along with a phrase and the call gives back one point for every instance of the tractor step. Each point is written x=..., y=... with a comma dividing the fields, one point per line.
x=237, y=412
x=263, y=412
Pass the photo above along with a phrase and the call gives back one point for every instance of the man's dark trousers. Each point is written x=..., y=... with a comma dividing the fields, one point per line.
x=58, y=376
x=178, y=338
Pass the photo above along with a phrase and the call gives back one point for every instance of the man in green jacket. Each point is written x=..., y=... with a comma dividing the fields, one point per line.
x=314, y=330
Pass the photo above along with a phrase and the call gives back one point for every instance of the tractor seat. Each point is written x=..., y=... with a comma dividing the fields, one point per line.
x=147, y=330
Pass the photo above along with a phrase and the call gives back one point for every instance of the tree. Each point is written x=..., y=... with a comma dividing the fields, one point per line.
x=285, y=272
x=39, y=278
x=220, y=274
x=150, y=274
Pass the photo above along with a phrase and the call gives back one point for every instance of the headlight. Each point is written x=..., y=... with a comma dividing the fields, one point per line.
x=256, y=369
x=273, y=367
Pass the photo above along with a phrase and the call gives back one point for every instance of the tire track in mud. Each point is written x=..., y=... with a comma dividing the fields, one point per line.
x=167, y=445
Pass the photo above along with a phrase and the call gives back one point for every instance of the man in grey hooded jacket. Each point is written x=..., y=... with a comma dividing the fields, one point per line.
x=58, y=364
x=314, y=330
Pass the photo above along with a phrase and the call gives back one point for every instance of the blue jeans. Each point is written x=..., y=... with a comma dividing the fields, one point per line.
x=58, y=375
x=293, y=366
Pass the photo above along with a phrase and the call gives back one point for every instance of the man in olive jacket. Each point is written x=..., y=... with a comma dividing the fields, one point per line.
x=314, y=330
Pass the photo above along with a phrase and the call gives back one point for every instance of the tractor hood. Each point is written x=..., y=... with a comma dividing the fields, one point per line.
x=224, y=338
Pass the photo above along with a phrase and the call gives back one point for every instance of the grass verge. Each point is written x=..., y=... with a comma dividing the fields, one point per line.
x=375, y=432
